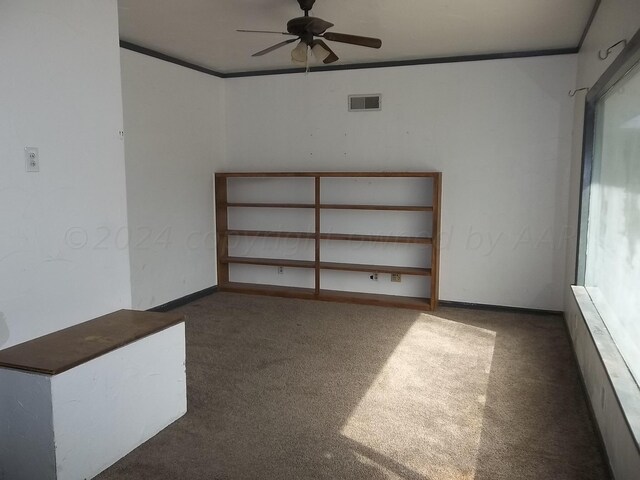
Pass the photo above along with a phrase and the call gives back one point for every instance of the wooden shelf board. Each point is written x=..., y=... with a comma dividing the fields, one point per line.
x=275, y=262
x=348, y=267
x=375, y=299
x=395, y=208
x=272, y=205
x=270, y=290
x=326, y=206
x=374, y=238
x=265, y=233
x=327, y=174
x=354, y=267
x=414, y=303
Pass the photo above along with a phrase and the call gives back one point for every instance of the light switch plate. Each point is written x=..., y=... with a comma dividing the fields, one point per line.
x=32, y=159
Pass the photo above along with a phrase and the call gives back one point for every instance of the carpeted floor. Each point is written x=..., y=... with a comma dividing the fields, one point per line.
x=294, y=389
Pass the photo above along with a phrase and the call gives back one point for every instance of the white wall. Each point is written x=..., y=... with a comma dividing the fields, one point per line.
x=615, y=20
x=60, y=91
x=500, y=131
x=174, y=123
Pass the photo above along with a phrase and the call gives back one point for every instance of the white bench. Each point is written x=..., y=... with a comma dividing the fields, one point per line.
x=74, y=402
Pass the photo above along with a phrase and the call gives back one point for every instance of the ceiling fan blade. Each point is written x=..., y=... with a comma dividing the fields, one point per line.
x=264, y=31
x=332, y=57
x=274, y=47
x=317, y=26
x=353, y=39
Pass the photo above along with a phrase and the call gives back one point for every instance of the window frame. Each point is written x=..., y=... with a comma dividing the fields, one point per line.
x=624, y=385
x=619, y=68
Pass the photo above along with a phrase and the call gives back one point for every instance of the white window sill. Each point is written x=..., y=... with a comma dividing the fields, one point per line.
x=624, y=385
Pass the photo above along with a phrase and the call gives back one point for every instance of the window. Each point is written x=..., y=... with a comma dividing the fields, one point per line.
x=609, y=263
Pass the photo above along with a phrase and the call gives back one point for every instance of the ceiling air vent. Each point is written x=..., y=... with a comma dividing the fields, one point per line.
x=364, y=103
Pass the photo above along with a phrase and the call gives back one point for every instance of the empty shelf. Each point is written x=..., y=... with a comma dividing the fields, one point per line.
x=265, y=233
x=355, y=267
x=375, y=299
x=271, y=290
x=349, y=267
x=275, y=262
x=272, y=205
x=374, y=238
x=327, y=295
x=396, y=208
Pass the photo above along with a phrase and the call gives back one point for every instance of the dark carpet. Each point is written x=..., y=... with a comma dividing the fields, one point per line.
x=294, y=389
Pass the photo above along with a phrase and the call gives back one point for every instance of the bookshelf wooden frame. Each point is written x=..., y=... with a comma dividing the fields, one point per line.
x=429, y=302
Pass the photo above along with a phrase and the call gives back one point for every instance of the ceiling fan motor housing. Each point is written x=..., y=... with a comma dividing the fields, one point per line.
x=298, y=25
x=306, y=5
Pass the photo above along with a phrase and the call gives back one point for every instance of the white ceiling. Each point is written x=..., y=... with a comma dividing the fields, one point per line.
x=203, y=31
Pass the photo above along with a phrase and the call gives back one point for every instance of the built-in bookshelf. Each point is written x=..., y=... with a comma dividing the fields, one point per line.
x=358, y=237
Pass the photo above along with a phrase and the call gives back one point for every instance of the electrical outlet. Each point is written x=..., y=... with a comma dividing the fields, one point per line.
x=374, y=277
x=280, y=270
x=396, y=277
x=32, y=159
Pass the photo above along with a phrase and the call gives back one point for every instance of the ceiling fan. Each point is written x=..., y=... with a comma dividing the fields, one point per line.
x=306, y=29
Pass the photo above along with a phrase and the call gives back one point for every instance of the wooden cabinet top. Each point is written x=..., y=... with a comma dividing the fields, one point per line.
x=62, y=350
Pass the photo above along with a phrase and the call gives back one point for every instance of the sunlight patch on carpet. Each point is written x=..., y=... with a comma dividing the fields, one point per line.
x=425, y=408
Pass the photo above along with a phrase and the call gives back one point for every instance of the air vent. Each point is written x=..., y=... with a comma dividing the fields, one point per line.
x=364, y=103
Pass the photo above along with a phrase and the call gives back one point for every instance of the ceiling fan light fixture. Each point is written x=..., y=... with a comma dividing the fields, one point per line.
x=323, y=53
x=319, y=52
x=299, y=54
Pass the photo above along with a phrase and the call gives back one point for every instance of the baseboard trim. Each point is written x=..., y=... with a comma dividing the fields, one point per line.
x=499, y=308
x=179, y=302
